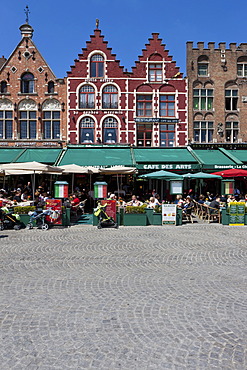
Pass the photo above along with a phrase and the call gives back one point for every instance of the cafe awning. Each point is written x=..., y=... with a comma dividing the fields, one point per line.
x=97, y=156
x=213, y=159
x=165, y=159
x=8, y=155
x=43, y=155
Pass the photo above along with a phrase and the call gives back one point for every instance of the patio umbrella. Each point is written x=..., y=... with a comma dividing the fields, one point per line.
x=162, y=175
x=121, y=170
x=200, y=175
x=232, y=172
x=74, y=168
x=30, y=168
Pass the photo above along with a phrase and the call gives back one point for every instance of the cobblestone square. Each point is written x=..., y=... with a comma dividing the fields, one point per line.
x=141, y=298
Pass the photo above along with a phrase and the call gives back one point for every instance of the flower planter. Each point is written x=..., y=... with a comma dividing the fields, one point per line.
x=135, y=219
x=157, y=219
x=24, y=218
x=149, y=213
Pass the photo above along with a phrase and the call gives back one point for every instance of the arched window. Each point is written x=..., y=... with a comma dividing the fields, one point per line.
x=51, y=119
x=242, y=66
x=87, y=97
x=27, y=119
x=110, y=130
x=110, y=97
x=87, y=130
x=3, y=87
x=202, y=65
x=97, y=66
x=27, y=83
x=51, y=87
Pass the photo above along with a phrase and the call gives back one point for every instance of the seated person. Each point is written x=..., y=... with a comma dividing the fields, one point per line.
x=189, y=205
x=201, y=199
x=153, y=202
x=215, y=204
x=179, y=201
x=74, y=202
x=134, y=202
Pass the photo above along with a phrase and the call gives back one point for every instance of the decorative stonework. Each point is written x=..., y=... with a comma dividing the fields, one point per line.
x=51, y=104
x=27, y=104
x=6, y=104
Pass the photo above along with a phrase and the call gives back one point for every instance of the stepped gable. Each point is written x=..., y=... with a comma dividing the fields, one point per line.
x=96, y=43
x=2, y=61
x=155, y=51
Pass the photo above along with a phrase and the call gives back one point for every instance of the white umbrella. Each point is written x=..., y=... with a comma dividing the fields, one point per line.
x=30, y=168
x=117, y=170
x=75, y=168
x=114, y=170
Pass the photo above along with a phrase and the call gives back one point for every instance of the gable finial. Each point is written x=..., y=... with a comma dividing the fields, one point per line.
x=27, y=12
x=97, y=24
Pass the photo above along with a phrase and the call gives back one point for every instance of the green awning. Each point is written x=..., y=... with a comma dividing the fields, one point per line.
x=213, y=159
x=97, y=156
x=241, y=154
x=42, y=155
x=8, y=155
x=165, y=159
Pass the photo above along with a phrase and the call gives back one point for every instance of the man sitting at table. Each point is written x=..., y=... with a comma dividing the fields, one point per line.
x=215, y=204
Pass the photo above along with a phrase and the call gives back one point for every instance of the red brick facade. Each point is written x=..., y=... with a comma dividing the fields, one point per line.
x=217, y=93
x=145, y=107
x=32, y=99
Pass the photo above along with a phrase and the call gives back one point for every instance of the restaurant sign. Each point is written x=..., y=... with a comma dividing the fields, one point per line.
x=168, y=166
x=236, y=213
x=157, y=120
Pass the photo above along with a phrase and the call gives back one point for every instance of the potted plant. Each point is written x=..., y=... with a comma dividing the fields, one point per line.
x=23, y=213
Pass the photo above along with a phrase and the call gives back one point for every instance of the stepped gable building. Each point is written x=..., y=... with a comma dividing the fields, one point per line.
x=32, y=99
x=145, y=107
x=217, y=89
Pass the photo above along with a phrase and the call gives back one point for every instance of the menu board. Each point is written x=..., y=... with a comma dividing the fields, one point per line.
x=56, y=205
x=236, y=213
x=169, y=212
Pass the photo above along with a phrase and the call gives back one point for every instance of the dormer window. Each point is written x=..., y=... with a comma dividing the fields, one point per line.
x=27, y=83
x=97, y=66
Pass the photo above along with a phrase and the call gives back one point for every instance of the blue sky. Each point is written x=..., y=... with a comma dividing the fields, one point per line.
x=62, y=27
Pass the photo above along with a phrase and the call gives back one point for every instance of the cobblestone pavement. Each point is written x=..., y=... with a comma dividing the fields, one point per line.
x=134, y=298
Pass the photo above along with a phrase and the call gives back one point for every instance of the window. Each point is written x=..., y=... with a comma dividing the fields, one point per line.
x=202, y=69
x=51, y=87
x=3, y=87
x=51, y=125
x=87, y=97
x=144, y=106
x=167, y=105
x=155, y=72
x=6, y=124
x=167, y=135
x=231, y=99
x=110, y=97
x=27, y=125
x=203, y=131
x=232, y=132
x=203, y=99
x=97, y=66
x=87, y=130
x=27, y=83
x=110, y=130
x=144, y=135
x=242, y=69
